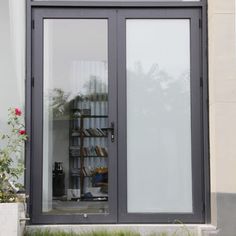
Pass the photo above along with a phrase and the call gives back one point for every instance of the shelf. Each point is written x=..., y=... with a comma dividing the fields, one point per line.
x=77, y=156
x=79, y=136
x=84, y=176
x=92, y=116
x=81, y=118
x=102, y=198
x=77, y=147
x=94, y=199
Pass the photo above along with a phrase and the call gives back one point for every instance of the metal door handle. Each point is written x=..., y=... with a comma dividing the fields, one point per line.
x=112, y=130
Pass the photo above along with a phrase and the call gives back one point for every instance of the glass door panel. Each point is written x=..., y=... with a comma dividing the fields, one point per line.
x=158, y=116
x=75, y=112
x=160, y=137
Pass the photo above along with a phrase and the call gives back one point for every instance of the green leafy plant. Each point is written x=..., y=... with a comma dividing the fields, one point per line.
x=93, y=233
x=11, y=164
x=59, y=102
x=183, y=232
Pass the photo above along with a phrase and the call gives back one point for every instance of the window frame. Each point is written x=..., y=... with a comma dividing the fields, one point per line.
x=198, y=214
x=201, y=5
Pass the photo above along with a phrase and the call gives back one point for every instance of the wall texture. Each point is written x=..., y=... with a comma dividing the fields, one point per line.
x=12, y=56
x=222, y=98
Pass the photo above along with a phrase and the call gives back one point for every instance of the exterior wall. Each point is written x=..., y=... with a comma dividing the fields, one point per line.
x=12, y=58
x=222, y=99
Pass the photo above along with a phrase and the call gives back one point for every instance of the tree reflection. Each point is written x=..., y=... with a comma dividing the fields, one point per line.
x=167, y=96
x=95, y=90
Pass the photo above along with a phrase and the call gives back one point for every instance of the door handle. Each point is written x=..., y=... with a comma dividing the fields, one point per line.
x=112, y=130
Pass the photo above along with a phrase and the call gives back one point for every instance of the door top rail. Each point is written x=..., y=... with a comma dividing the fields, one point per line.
x=117, y=4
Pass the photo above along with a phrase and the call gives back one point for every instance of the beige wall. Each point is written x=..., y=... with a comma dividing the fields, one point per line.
x=222, y=92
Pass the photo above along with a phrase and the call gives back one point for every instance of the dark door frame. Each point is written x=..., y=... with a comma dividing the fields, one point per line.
x=197, y=216
x=39, y=15
x=202, y=7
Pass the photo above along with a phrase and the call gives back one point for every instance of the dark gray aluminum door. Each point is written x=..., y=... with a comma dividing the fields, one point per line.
x=160, y=116
x=136, y=91
x=74, y=119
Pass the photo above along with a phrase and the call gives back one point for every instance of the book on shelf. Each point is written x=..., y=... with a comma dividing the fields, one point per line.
x=86, y=133
x=97, y=151
x=101, y=132
x=97, y=132
x=90, y=131
x=104, y=152
x=89, y=151
x=101, y=151
x=84, y=171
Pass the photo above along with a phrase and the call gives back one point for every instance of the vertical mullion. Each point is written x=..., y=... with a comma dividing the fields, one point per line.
x=37, y=114
x=122, y=116
x=112, y=111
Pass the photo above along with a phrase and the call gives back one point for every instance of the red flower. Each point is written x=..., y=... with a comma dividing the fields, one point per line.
x=22, y=132
x=17, y=112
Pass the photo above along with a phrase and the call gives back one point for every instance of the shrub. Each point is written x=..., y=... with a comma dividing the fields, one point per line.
x=11, y=164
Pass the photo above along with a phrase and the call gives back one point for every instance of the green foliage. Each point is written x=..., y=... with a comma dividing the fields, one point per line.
x=47, y=233
x=182, y=231
x=59, y=102
x=159, y=234
x=94, y=233
x=11, y=164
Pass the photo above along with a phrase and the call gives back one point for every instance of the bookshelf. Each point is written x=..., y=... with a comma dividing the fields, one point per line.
x=88, y=150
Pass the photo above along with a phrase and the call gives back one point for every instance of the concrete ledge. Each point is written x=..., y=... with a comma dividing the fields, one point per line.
x=143, y=229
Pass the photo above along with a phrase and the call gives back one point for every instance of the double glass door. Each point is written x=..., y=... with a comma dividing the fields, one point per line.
x=116, y=116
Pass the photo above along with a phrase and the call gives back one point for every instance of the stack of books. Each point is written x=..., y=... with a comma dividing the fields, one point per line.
x=89, y=151
x=94, y=132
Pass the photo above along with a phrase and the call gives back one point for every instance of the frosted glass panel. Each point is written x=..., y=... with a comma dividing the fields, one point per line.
x=158, y=116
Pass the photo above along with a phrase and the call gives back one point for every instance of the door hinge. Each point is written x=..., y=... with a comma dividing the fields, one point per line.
x=32, y=81
x=203, y=207
x=33, y=24
x=200, y=23
x=201, y=81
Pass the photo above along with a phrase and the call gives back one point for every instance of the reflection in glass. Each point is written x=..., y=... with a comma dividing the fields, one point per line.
x=75, y=154
x=158, y=116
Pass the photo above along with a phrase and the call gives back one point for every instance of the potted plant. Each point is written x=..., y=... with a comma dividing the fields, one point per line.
x=11, y=169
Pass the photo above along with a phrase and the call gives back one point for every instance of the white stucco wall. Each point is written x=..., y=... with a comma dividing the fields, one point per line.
x=12, y=56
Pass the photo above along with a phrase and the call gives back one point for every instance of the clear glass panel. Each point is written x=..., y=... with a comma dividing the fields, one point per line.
x=75, y=156
x=158, y=116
